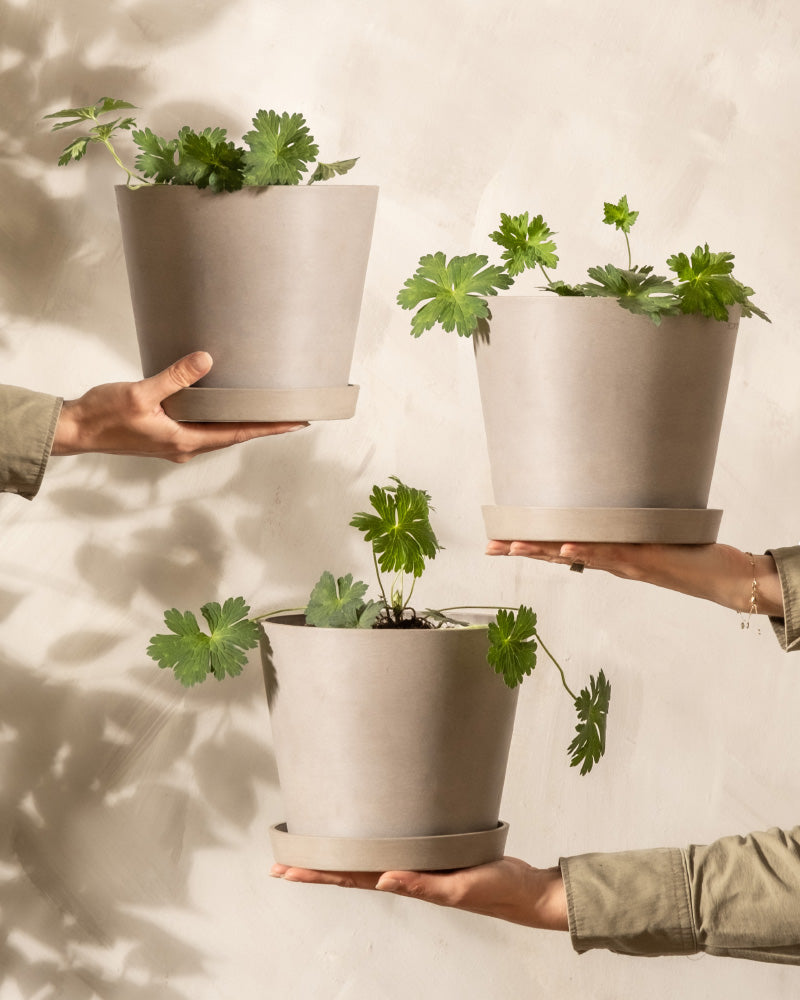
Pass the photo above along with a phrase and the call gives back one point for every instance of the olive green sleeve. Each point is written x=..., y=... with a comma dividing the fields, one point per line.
x=633, y=902
x=737, y=897
x=787, y=628
x=27, y=427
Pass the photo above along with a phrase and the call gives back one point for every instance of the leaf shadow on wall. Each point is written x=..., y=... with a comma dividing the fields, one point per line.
x=51, y=248
x=296, y=512
x=278, y=502
x=109, y=796
x=99, y=831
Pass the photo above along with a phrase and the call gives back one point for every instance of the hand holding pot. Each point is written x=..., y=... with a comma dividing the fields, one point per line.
x=126, y=418
x=508, y=889
x=719, y=573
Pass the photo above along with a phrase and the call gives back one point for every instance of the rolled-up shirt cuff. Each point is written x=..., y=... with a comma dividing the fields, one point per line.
x=631, y=902
x=27, y=428
x=787, y=628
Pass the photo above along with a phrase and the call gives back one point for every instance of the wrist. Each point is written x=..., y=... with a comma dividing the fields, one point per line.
x=762, y=590
x=551, y=905
x=67, y=437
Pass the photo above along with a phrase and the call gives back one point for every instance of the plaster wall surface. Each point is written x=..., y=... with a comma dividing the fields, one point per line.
x=134, y=816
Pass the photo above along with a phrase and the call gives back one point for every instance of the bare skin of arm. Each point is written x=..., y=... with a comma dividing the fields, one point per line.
x=126, y=418
x=508, y=889
x=719, y=573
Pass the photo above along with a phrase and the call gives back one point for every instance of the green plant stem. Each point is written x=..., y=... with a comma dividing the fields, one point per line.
x=271, y=614
x=131, y=177
x=547, y=277
x=508, y=607
x=567, y=688
x=628, y=244
x=380, y=581
x=408, y=599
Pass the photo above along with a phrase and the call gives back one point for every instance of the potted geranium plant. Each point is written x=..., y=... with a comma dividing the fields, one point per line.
x=391, y=727
x=227, y=252
x=602, y=422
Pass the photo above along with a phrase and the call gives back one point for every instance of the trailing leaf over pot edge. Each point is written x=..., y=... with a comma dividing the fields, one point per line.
x=402, y=540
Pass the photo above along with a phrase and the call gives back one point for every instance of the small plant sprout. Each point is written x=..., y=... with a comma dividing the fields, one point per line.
x=455, y=293
x=402, y=539
x=278, y=150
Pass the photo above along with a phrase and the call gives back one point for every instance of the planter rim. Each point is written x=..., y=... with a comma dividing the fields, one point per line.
x=294, y=619
x=605, y=302
x=257, y=188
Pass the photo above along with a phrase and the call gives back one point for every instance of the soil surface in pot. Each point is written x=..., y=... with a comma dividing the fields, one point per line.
x=412, y=621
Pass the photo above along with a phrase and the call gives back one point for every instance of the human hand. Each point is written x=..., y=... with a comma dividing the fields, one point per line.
x=508, y=889
x=126, y=418
x=716, y=572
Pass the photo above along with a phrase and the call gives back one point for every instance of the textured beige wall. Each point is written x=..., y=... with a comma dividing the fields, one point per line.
x=134, y=817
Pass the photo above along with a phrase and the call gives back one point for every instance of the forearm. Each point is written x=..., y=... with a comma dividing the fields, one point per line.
x=719, y=573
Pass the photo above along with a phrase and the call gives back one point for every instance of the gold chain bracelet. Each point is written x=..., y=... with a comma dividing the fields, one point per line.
x=753, y=606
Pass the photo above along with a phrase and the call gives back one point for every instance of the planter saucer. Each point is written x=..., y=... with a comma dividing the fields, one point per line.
x=262, y=405
x=437, y=853
x=678, y=526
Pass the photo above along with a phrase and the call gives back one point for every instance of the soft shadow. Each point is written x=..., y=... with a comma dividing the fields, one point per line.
x=180, y=560
x=294, y=493
x=268, y=667
x=74, y=850
x=52, y=247
x=98, y=830
x=8, y=602
x=481, y=334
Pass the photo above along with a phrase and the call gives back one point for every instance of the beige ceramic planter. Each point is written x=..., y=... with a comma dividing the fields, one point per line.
x=600, y=425
x=268, y=280
x=391, y=746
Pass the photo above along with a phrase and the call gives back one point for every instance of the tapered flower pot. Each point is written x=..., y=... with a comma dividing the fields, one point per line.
x=268, y=280
x=601, y=426
x=391, y=746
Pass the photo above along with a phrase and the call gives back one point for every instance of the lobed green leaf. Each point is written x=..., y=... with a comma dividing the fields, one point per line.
x=76, y=150
x=193, y=654
x=592, y=705
x=340, y=603
x=512, y=644
x=457, y=291
x=526, y=244
x=707, y=285
x=636, y=289
x=157, y=157
x=400, y=529
x=207, y=159
x=619, y=214
x=280, y=149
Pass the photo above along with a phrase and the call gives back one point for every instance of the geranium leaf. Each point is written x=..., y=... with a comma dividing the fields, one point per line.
x=454, y=291
x=592, y=704
x=193, y=654
x=400, y=529
x=512, y=644
x=280, y=149
x=526, y=244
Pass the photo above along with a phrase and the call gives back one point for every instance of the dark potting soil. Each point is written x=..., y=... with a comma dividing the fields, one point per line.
x=412, y=622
